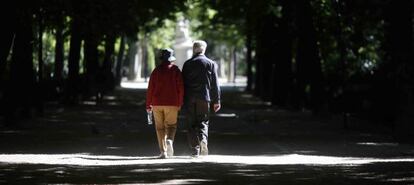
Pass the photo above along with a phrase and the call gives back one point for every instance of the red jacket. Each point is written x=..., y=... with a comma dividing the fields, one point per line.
x=165, y=86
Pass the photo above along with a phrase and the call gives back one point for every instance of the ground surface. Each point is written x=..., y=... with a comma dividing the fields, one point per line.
x=250, y=143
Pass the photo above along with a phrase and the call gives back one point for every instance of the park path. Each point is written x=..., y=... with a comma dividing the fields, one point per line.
x=251, y=142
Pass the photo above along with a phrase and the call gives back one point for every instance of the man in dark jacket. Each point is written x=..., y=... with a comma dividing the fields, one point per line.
x=201, y=88
x=164, y=98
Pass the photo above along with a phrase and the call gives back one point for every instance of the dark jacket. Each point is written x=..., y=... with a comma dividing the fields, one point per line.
x=165, y=86
x=200, y=79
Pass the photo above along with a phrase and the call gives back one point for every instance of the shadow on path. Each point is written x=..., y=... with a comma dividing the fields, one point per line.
x=251, y=142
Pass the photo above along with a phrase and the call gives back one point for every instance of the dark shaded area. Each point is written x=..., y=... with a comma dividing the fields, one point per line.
x=86, y=25
x=210, y=174
x=330, y=57
x=117, y=127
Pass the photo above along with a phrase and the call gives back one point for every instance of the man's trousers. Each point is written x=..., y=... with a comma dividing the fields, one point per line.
x=197, y=113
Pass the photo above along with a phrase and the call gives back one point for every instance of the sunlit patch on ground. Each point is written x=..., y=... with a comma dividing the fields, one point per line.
x=107, y=160
x=403, y=179
x=377, y=144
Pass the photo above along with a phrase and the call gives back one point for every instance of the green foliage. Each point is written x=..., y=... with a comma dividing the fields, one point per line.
x=221, y=24
x=163, y=36
x=151, y=58
x=360, y=34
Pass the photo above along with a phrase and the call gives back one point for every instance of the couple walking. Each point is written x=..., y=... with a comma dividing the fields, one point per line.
x=194, y=89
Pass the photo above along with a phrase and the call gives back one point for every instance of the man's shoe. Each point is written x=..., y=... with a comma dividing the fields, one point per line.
x=195, y=153
x=203, y=148
x=170, y=149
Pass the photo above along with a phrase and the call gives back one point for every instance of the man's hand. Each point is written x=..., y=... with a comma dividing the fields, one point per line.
x=217, y=107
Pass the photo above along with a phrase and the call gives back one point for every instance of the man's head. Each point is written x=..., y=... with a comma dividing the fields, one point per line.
x=166, y=55
x=199, y=47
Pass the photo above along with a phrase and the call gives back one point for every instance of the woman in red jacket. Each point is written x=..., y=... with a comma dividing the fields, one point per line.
x=165, y=98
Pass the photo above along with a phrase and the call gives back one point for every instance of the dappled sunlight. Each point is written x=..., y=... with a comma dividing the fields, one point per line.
x=89, y=102
x=111, y=160
x=377, y=144
x=110, y=98
x=402, y=179
x=225, y=115
x=113, y=103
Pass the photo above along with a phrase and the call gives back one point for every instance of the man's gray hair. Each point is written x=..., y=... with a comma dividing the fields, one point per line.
x=199, y=46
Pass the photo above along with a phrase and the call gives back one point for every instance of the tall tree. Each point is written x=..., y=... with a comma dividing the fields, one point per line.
x=40, y=31
x=22, y=77
x=119, y=61
x=72, y=88
x=399, y=37
x=309, y=71
x=266, y=44
x=109, y=52
x=282, y=76
x=7, y=17
x=59, y=49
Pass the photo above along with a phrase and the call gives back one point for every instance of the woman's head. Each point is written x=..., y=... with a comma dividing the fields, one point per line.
x=167, y=55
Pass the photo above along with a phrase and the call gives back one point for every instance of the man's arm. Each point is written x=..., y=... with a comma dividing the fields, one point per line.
x=215, y=89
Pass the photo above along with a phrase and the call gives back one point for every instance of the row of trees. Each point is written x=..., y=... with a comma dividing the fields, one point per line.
x=336, y=55
x=92, y=29
x=328, y=55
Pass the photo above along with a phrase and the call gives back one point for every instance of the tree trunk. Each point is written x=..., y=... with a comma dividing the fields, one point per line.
x=109, y=53
x=72, y=89
x=282, y=78
x=40, y=47
x=7, y=40
x=132, y=62
x=265, y=49
x=91, y=55
x=259, y=72
x=145, y=61
x=108, y=62
x=120, y=58
x=234, y=65
x=341, y=41
x=249, y=46
x=249, y=61
x=308, y=62
x=59, y=50
x=22, y=77
x=231, y=65
x=93, y=71
x=399, y=37
x=7, y=17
